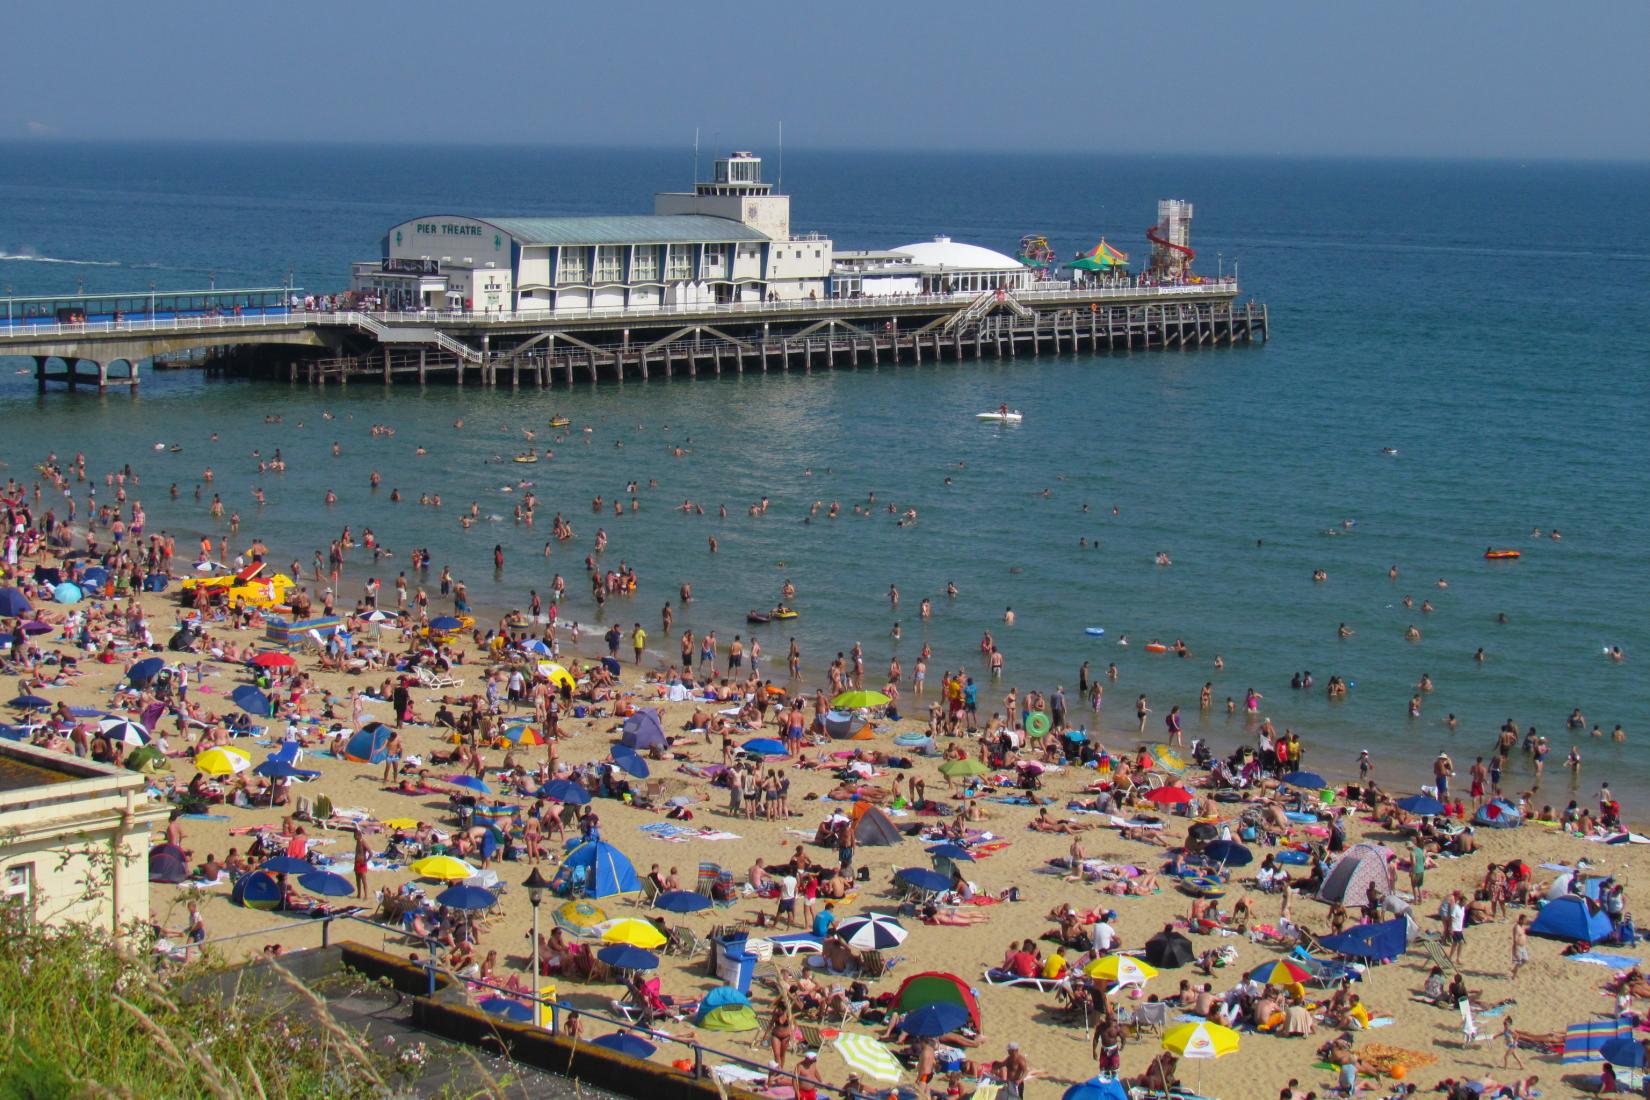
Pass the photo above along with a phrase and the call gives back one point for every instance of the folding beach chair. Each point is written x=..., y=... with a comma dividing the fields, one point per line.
x=874, y=964
x=1436, y=955
x=1151, y=1016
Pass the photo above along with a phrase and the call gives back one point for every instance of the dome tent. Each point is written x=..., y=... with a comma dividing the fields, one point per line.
x=368, y=745
x=1498, y=814
x=1574, y=919
x=1349, y=879
x=257, y=890
x=598, y=870
x=643, y=730
x=937, y=987
x=873, y=828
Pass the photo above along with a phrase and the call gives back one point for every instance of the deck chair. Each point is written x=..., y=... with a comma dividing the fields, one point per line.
x=1469, y=1026
x=648, y=894
x=810, y=1035
x=986, y=1090
x=874, y=964
x=1151, y=1016
x=1436, y=955
x=685, y=942
x=993, y=976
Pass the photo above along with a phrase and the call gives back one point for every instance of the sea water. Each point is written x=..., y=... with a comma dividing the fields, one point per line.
x=1486, y=321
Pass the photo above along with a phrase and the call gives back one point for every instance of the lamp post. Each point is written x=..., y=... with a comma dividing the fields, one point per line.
x=535, y=886
x=1220, y=265
x=8, y=305
x=151, y=301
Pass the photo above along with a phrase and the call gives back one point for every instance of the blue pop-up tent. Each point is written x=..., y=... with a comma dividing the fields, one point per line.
x=643, y=731
x=1498, y=813
x=368, y=745
x=1571, y=918
x=258, y=890
x=598, y=869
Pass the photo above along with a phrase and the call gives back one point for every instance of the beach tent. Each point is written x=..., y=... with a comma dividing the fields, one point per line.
x=598, y=869
x=367, y=745
x=95, y=577
x=1585, y=1042
x=1573, y=919
x=148, y=760
x=258, y=890
x=13, y=604
x=167, y=863
x=936, y=987
x=874, y=828
x=1498, y=814
x=642, y=731
x=1386, y=940
x=847, y=727
x=729, y=1018
x=1168, y=950
x=1561, y=886
x=1348, y=880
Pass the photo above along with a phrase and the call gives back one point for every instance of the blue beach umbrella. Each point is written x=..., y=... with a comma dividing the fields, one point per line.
x=1309, y=780
x=287, y=865
x=327, y=884
x=622, y=956
x=96, y=575
x=1230, y=853
x=68, y=592
x=13, y=604
x=681, y=901
x=30, y=702
x=538, y=647
x=470, y=783
x=444, y=622
x=630, y=763
x=1097, y=1088
x=277, y=769
x=119, y=729
x=623, y=1042
x=953, y=852
x=144, y=671
x=1624, y=1050
x=564, y=790
x=765, y=746
x=511, y=1010
x=1386, y=940
x=251, y=700
x=1422, y=804
x=475, y=898
x=923, y=879
x=871, y=931
x=934, y=1020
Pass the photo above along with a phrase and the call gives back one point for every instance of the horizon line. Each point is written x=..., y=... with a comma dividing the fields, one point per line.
x=63, y=140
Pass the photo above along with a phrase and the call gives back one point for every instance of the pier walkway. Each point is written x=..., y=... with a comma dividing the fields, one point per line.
x=545, y=348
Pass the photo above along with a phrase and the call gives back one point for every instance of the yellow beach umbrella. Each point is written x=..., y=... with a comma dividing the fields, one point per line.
x=637, y=933
x=1200, y=1040
x=578, y=916
x=1167, y=759
x=223, y=761
x=445, y=868
x=1121, y=969
x=557, y=675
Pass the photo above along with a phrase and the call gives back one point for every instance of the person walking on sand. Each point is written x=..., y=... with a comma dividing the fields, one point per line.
x=363, y=855
x=1509, y=1040
x=1520, y=944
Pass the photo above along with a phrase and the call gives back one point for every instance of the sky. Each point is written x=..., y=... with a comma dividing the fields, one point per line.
x=1517, y=79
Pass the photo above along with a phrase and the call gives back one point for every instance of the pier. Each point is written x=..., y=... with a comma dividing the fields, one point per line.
x=544, y=348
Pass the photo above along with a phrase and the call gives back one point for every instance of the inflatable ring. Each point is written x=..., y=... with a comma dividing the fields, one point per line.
x=911, y=738
x=1094, y=631
x=1204, y=886
x=1037, y=723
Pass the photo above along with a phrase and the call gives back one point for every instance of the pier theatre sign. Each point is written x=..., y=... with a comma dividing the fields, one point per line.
x=447, y=229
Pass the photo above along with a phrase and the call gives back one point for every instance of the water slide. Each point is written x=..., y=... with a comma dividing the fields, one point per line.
x=1151, y=235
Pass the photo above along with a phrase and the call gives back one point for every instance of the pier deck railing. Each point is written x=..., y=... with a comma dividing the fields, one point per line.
x=376, y=320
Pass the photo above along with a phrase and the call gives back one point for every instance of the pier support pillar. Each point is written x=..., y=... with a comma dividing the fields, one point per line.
x=423, y=364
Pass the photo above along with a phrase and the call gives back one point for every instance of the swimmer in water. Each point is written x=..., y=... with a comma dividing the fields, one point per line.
x=1345, y=631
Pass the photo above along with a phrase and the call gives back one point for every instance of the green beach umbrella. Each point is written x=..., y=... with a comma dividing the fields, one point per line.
x=958, y=769
x=855, y=700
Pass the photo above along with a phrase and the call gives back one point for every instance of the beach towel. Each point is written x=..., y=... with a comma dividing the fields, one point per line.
x=206, y=817
x=1584, y=1042
x=1616, y=962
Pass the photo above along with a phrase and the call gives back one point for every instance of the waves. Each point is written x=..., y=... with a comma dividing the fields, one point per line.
x=29, y=257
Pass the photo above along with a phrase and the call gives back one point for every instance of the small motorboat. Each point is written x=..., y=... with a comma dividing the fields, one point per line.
x=1000, y=417
x=1493, y=554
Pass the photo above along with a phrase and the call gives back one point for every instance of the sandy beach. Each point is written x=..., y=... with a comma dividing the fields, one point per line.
x=1549, y=993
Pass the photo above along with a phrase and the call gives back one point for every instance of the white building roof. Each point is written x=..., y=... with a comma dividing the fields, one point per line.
x=957, y=256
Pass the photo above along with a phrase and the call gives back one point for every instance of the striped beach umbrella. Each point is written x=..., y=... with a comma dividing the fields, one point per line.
x=523, y=733
x=1279, y=972
x=119, y=729
x=872, y=931
x=1167, y=759
x=1121, y=969
x=866, y=1056
x=223, y=761
x=1200, y=1040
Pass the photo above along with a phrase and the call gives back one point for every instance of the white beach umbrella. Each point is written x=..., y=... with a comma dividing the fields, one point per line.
x=865, y=1055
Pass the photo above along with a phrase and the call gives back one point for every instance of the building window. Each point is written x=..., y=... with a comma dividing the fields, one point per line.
x=680, y=263
x=19, y=887
x=609, y=263
x=713, y=259
x=644, y=263
x=572, y=268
